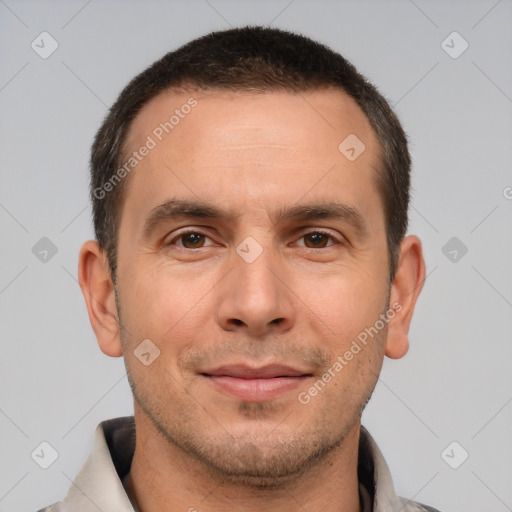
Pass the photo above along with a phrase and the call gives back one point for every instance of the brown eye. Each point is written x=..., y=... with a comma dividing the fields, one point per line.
x=316, y=240
x=192, y=240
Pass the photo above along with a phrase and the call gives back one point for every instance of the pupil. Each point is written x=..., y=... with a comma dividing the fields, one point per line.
x=193, y=238
x=316, y=238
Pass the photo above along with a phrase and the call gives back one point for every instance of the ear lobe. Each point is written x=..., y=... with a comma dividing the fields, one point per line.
x=405, y=289
x=99, y=294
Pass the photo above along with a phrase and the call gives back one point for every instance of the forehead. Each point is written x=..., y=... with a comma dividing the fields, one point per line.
x=319, y=111
x=249, y=149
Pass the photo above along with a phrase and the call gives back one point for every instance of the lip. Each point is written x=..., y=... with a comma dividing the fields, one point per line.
x=256, y=384
x=242, y=371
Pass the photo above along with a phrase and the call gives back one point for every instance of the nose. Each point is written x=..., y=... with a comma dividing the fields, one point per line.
x=255, y=298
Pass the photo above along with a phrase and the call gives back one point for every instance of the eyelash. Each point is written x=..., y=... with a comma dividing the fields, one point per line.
x=197, y=232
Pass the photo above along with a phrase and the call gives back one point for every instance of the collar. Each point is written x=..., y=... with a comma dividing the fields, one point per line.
x=99, y=485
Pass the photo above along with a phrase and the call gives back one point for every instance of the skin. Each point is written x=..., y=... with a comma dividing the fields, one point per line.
x=301, y=302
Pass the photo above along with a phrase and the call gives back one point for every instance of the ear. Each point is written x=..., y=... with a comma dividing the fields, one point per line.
x=405, y=289
x=98, y=290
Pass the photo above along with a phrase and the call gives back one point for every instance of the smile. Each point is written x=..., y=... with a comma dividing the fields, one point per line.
x=256, y=384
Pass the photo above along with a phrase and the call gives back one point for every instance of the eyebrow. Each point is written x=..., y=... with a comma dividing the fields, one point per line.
x=328, y=210
x=175, y=208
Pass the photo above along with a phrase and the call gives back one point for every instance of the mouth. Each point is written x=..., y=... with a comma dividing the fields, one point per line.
x=255, y=384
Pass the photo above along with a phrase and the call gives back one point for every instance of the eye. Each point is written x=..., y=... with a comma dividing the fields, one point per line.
x=317, y=239
x=190, y=240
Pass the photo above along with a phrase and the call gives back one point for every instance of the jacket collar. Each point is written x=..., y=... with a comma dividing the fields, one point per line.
x=98, y=485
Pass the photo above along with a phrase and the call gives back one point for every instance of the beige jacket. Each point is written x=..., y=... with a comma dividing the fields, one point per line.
x=99, y=484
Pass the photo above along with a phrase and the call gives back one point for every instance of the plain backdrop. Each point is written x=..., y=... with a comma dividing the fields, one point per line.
x=454, y=385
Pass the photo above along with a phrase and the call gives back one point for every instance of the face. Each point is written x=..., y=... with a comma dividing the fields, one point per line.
x=252, y=254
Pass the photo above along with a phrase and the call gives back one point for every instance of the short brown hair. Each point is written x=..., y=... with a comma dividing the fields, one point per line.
x=250, y=59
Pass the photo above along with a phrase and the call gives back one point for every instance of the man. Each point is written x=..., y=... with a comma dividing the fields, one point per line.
x=250, y=194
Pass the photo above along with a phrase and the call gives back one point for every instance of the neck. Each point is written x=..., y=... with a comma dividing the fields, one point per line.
x=164, y=478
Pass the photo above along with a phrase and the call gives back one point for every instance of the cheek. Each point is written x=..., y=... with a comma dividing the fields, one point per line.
x=153, y=302
x=345, y=392
x=343, y=303
x=170, y=308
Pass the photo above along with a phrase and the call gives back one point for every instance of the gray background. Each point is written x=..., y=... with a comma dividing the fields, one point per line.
x=455, y=384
